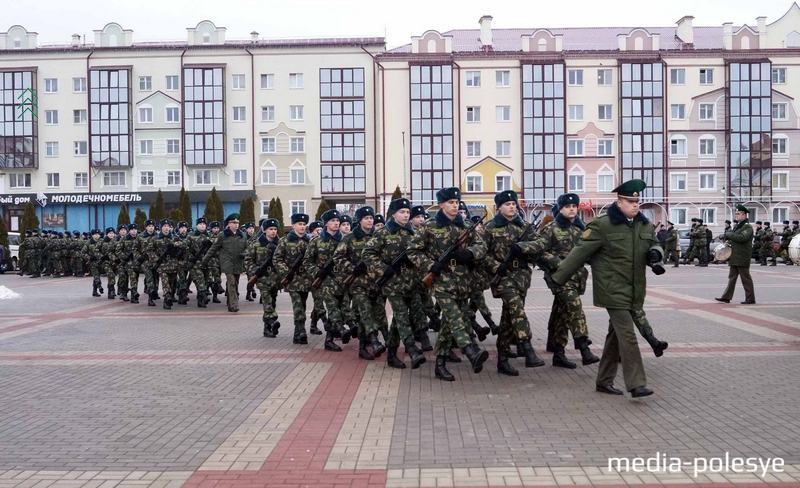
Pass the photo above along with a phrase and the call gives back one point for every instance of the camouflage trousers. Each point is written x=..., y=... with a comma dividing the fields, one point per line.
x=455, y=323
x=111, y=274
x=215, y=278
x=431, y=309
x=168, y=280
x=477, y=303
x=371, y=314
x=766, y=252
x=333, y=305
x=184, y=278
x=232, y=289
x=133, y=279
x=77, y=265
x=66, y=265
x=514, y=326
x=641, y=322
x=55, y=265
x=404, y=313
x=94, y=270
x=269, y=295
x=199, y=275
x=671, y=256
x=122, y=280
x=349, y=313
x=299, y=300
x=318, y=310
x=150, y=278
x=566, y=315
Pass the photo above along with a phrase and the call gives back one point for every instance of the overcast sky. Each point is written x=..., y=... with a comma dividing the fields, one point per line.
x=151, y=20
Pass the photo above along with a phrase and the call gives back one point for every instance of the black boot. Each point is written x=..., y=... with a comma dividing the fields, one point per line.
x=560, y=359
x=315, y=330
x=377, y=347
x=249, y=296
x=392, y=360
x=330, y=345
x=658, y=346
x=167, y=302
x=452, y=357
x=214, y=298
x=587, y=358
x=531, y=359
x=492, y=326
x=275, y=326
x=421, y=336
x=268, y=332
x=134, y=297
x=94, y=290
x=504, y=367
x=476, y=356
x=441, y=369
x=344, y=333
x=417, y=358
x=363, y=352
x=201, y=299
x=435, y=324
x=123, y=295
x=111, y=294
x=300, y=336
x=183, y=297
x=150, y=299
x=481, y=332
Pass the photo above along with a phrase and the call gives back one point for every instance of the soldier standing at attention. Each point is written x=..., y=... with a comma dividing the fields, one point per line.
x=451, y=285
x=741, y=240
x=259, y=255
x=288, y=261
x=671, y=244
x=619, y=246
x=229, y=248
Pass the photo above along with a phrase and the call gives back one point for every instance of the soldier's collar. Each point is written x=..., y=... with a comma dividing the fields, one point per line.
x=500, y=221
x=443, y=221
x=564, y=222
x=326, y=236
x=359, y=233
x=617, y=217
x=394, y=227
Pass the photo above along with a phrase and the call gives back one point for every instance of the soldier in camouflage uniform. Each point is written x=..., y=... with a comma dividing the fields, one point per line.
x=34, y=259
x=427, y=308
x=700, y=243
x=786, y=239
x=145, y=239
x=24, y=256
x=321, y=267
x=122, y=266
x=767, y=236
x=76, y=262
x=214, y=273
x=290, y=251
x=757, y=233
x=93, y=254
x=250, y=231
x=387, y=259
x=260, y=255
x=451, y=285
x=671, y=244
x=349, y=311
x=132, y=252
x=351, y=265
x=166, y=248
x=108, y=260
x=379, y=222
x=502, y=236
x=318, y=311
x=183, y=256
x=66, y=254
x=199, y=243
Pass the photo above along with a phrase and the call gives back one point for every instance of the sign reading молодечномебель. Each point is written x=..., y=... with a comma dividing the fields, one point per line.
x=42, y=199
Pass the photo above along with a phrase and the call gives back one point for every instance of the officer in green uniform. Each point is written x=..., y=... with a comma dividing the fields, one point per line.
x=741, y=241
x=619, y=245
x=229, y=248
x=288, y=261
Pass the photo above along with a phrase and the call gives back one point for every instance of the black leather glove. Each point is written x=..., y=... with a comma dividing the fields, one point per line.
x=653, y=256
x=360, y=269
x=389, y=272
x=502, y=270
x=516, y=251
x=437, y=268
x=463, y=256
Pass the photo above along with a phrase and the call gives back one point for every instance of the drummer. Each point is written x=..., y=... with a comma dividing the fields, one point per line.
x=741, y=241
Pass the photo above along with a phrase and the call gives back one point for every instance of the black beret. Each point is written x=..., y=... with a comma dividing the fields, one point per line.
x=267, y=223
x=364, y=211
x=200, y=220
x=669, y=223
x=132, y=227
x=314, y=225
x=299, y=217
x=699, y=221
x=149, y=222
x=418, y=210
x=96, y=231
x=795, y=222
x=109, y=229
x=183, y=223
x=28, y=233
x=85, y=234
x=727, y=221
x=446, y=194
x=505, y=196
x=568, y=199
x=214, y=223
x=346, y=218
x=766, y=223
x=631, y=188
x=694, y=219
x=329, y=214
x=379, y=219
x=397, y=204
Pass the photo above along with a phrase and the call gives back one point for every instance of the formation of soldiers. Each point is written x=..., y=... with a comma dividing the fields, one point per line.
x=764, y=237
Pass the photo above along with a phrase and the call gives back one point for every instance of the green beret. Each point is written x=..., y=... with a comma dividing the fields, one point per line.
x=233, y=216
x=631, y=188
x=742, y=208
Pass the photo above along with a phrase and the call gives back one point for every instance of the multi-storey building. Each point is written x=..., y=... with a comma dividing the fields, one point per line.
x=706, y=115
x=116, y=120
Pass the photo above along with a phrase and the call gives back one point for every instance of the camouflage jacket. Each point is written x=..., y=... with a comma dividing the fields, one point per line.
x=166, y=247
x=348, y=254
x=699, y=234
x=430, y=243
x=766, y=237
x=289, y=248
x=258, y=252
x=92, y=252
x=385, y=245
x=553, y=243
x=108, y=247
x=128, y=250
x=672, y=240
x=319, y=254
x=786, y=236
x=197, y=244
x=500, y=234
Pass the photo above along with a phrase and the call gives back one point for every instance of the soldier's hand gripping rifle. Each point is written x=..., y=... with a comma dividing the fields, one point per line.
x=502, y=270
x=323, y=273
x=441, y=261
x=201, y=251
x=293, y=269
x=263, y=268
x=168, y=252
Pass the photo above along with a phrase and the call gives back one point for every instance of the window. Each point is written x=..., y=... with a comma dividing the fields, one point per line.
x=173, y=115
x=503, y=113
x=111, y=142
x=297, y=175
x=173, y=146
x=750, y=125
x=268, y=175
x=778, y=76
x=267, y=81
x=341, y=114
x=474, y=183
x=51, y=85
x=708, y=146
x=53, y=180
x=239, y=114
x=677, y=76
x=268, y=113
x=473, y=149
x=677, y=181
x=145, y=83
x=708, y=181
x=19, y=180
x=81, y=179
x=473, y=114
x=706, y=111
x=238, y=82
x=780, y=145
x=204, y=115
x=575, y=182
x=780, y=180
x=677, y=216
x=604, y=77
x=502, y=78
x=677, y=111
x=473, y=78
x=576, y=112
x=146, y=178
x=604, y=112
x=173, y=177
x=264, y=208
x=605, y=182
x=779, y=215
x=709, y=216
x=295, y=112
x=298, y=144
x=146, y=147
x=605, y=147
x=240, y=177
x=778, y=111
x=79, y=85
x=51, y=117
x=51, y=148
x=79, y=116
x=267, y=144
x=706, y=76
x=503, y=148
x=297, y=206
x=502, y=183
x=575, y=147
x=113, y=178
x=20, y=146
x=677, y=146
x=295, y=80
x=80, y=148
x=205, y=177
x=239, y=145
x=341, y=83
x=145, y=115
x=173, y=84
x=575, y=77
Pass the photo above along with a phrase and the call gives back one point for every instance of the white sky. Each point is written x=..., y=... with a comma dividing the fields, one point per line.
x=160, y=20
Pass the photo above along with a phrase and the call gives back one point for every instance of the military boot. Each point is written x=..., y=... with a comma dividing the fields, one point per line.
x=134, y=296
x=421, y=336
x=531, y=359
x=201, y=299
x=167, y=305
x=504, y=367
x=774, y=262
x=111, y=294
x=492, y=326
x=392, y=360
x=150, y=299
x=183, y=297
x=560, y=359
x=582, y=344
x=250, y=294
x=476, y=356
x=300, y=336
x=94, y=290
x=330, y=345
x=435, y=324
x=452, y=357
x=377, y=347
x=414, y=353
x=344, y=333
x=363, y=352
x=275, y=326
x=658, y=346
x=441, y=369
x=481, y=332
x=268, y=331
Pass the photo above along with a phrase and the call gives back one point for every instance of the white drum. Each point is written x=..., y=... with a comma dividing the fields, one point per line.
x=794, y=249
x=722, y=252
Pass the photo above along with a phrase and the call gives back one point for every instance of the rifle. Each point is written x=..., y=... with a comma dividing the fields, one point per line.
x=509, y=259
x=322, y=274
x=262, y=269
x=168, y=252
x=396, y=265
x=352, y=277
x=430, y=277
x=205, y=246
x=293, y=269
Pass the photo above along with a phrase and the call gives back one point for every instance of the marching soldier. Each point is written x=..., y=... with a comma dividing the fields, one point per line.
x=767, y=236
x=259, y=261
x=430, y=249
x=348, y=308
x=691, y=251
x=345, y=224
x=229, y=247
x=288, y=261
x=166, y=247
x=213, y=265
x=199, y=243
x=318, y=310
x=76, y=263
x=786, y=238
x=93, y=254
x=428, y=308
x=671, y=244
x=757, y=233
x=379, y=222
x=701, y=243
x=128, y=254
x=183, y=255
x=122, y=266
x=150, y=280
x=741, y=240
x=108, y=259
x=250, y=230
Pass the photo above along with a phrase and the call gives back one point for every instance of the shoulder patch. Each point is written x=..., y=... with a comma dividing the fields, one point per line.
x=586, y=234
